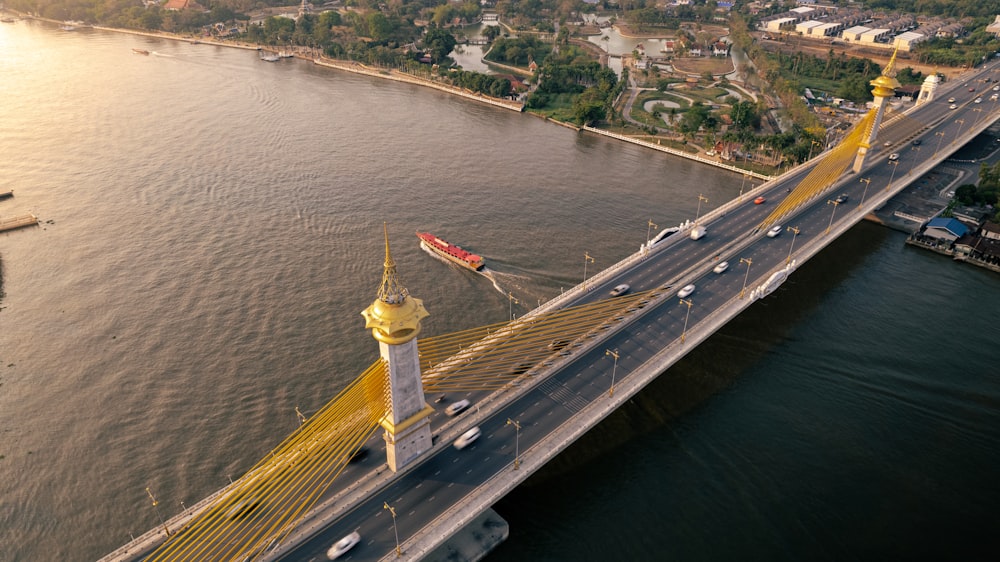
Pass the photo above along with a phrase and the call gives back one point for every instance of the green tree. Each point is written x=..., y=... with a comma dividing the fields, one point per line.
x=439, y=44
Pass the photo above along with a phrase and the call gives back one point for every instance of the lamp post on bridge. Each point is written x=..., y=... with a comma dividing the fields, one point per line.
x=392, y=511
x=649, y=226
x=895, y=164
x=745, y=176
x=959, y=132
x=795, y=231
x=938, y=134
x=749, y=262
x=834, y=203
x=517, y=450
x=814, y=143
x=915, y=157
x=511, y=300
x=698, y=212
x=867, y=182
x=614, y=367
x=978, y=110
x=686, y=316
x=586, y=259
x=300, y=415
x=157, y=509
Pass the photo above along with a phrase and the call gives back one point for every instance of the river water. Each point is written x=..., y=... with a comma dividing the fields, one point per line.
x=212, y=227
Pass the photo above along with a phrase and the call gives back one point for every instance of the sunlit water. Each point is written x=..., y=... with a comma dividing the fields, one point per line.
x=212, y=229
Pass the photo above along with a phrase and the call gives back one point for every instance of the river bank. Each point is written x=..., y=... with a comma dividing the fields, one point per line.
x=388, y=74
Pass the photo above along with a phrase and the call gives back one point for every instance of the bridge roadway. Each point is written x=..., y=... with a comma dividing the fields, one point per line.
x=435, y=498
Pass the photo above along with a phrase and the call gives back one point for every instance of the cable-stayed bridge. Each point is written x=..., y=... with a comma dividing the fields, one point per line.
x=539, y=382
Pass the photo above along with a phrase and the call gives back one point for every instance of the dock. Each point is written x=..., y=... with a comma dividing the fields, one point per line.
x=20, y=221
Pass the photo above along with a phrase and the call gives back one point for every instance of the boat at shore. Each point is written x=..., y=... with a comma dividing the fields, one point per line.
x=450, y=252
x=140, y=51
x=270, y=58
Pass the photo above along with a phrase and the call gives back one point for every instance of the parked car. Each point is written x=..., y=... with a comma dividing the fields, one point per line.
x=721, y=267
x=457, y=408
x=620, y=290
x=759, y=201
x=343, y=545
x=686, y=291
x=775, y=230
x=467, y=438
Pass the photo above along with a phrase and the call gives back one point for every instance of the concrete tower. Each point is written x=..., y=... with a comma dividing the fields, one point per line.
x=928, y=89
x=394, y=319
x=883, y=88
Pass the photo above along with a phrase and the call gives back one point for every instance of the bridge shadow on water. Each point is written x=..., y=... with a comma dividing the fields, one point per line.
x=716, y=365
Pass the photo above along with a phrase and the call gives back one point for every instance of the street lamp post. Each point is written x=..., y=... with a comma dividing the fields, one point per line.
x=614, y=367
x=698, y=212
x=978, y=110
x=938, y=134
x=392, y=511
x=517, y=449
x=814, y=143
x=157, y=509
x=795, y=231
x=895, y=164
x=834, y=203
x=649, y=228
x=743, y=183
x=915, y=157
x=867, y=182
x=749, y=262
x=586, y=259
x=300, y=415
x=511, y=300
x=686, y=316
x=959, y=132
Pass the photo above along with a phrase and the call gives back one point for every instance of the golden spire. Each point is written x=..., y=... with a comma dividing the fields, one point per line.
x=391, y=291
x=886, y=84
x=394, y=317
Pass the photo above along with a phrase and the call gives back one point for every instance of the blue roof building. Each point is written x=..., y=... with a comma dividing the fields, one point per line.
x=945, y=229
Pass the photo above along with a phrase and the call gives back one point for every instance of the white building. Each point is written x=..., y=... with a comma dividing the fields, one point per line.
x=853, y=34
x=874, y=36
x=780, y=24
x=826, y=29
x=804, y=28
x=906, y=41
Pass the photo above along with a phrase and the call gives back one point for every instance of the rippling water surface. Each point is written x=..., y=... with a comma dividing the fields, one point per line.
x=212, y=229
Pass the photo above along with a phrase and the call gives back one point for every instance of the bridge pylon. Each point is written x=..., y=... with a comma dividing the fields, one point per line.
x=883, y=88
x=394, y=319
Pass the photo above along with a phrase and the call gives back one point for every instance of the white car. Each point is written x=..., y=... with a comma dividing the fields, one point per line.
x=776, y=230
x=343, y=545
x=978, y=100
x=457, y=408
x=721, y=267
x=686, y=291
x=467, y=438
x=620, y=290
x=952, y=106
x=894, y=156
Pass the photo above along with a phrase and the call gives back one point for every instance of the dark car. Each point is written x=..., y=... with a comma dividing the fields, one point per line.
x=841, y=199
x=916, y=142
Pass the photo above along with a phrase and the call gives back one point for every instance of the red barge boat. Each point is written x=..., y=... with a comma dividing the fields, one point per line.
x=450, y=252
